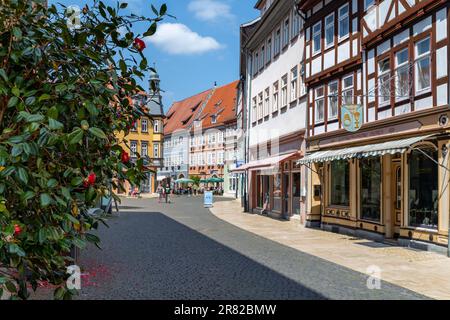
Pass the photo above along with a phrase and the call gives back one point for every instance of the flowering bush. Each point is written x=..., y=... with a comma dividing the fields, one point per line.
x=64, y=80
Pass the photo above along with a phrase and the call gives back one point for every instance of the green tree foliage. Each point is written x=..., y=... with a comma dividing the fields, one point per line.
x=65, y=91
x=196, y=180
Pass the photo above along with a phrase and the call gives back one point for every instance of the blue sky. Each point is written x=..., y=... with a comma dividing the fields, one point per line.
x=197, y=48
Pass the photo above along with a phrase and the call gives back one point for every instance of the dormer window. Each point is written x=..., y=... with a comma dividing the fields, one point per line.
x=213, y=119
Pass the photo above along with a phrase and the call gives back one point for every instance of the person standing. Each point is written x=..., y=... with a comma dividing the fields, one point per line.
x=167, y=194
x=160, y=191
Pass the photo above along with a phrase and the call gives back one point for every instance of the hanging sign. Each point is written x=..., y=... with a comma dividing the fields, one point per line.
x=352, y=116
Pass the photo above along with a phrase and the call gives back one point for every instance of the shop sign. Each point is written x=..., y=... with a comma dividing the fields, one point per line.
x=208, y=199
x=352, y=116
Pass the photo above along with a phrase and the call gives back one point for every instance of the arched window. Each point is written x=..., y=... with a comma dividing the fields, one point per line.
x=423, y=188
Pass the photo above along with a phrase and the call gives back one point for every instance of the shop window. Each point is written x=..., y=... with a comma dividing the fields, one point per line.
x=339, y=183
x=370, y=188
x=423, y=188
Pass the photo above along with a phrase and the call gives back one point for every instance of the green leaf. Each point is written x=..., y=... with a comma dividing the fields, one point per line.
x=54, y=124
x=98, y=133
x=15, y=91
x=44, y=97
x=23, y=175
x=46, y=200
x=11, y=287
x=75, y=136
x=16, y=150
x=75, y=182
x=3, y=75
x=42, y=235
x=27, y=196
x=15, y=249
x=123, y=5
x=151, y=30
x=13, y=102
x=79, y=243
x=52, y=183
x=163, y=9
x=17, y=33
x=66, y=193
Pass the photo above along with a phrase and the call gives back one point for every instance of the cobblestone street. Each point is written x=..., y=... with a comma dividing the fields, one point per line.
x=182, y=251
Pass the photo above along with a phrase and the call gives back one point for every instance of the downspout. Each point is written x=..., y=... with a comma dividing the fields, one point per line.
x=248, y=79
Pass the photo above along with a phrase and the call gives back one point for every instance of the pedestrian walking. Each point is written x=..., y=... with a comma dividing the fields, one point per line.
x=167, y=194
x=160, y=191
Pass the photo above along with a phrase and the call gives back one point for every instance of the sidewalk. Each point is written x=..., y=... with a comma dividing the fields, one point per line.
x=424, y=272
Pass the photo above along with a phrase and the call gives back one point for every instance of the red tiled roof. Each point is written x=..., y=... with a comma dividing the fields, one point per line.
x=181, y=110
x=222, y=104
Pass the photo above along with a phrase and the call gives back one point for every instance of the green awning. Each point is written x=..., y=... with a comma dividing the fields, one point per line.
x=370, y=150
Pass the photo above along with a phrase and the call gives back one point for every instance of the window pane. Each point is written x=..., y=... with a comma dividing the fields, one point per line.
x=339, y=183
x=423, y=73
x=370, y=188
x=423, y=47
x=402, y=83
x=402, y=56
x=319, y=110
x=332, y=100
x=423, y=189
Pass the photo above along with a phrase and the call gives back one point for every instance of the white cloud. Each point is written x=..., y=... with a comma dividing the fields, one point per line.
x=210, y=10
x=178, y=39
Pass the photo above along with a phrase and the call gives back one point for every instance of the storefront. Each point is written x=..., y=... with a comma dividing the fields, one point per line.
x=275, y=185
x=397, y=189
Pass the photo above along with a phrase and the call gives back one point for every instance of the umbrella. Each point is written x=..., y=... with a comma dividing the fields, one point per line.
x=215, y=179
x=184, y=180
x=203, y=181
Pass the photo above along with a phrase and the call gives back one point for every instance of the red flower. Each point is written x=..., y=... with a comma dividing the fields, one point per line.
x=17, y=229
x=139, y=44
x=85, y=183
x=125, y=157
x=91, y=178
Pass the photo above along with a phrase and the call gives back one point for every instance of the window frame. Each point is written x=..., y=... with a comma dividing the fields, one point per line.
x=276, y=93
x=334, y=82
x=144, y=143
x=144, y=121
x=294, y=82
x=315, y=33
x=286, y=33
x=397, y=66
x=341, y=18
x=380, y=75
x=320, y=98
x=260, y=105
x=327, y=26
x=349, y=88
x=269, y=50
x=277, y=43
x=266, y=103
x=417, y=58
x=284, y=91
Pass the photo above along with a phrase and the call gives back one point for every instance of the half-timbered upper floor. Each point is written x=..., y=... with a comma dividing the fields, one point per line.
x=332, y=41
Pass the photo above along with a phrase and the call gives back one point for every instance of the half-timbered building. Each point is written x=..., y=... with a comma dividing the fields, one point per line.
x=380, y=170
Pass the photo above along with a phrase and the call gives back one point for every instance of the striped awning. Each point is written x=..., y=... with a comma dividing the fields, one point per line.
x=370, y=150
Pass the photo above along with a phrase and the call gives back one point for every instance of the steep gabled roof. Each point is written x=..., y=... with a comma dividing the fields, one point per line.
x=222, y=104
x=179, y=116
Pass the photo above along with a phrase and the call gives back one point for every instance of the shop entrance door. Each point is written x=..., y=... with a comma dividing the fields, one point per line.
x=286, y=195
x=396, y=188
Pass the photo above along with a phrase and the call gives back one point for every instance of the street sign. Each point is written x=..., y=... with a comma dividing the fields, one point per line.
x=352, y=116
x=208, y=199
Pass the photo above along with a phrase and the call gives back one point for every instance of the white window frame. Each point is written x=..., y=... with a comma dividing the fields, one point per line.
x=156, y=150
x=382, y=74
x=269, y=50
x=418, y=58
x=284, y=91
x=316, y=33
x=348, y=88
x=317, y=99
x=328, y=26
x=330, y=96
x=262, y=61
x=260, y=106
x=277, y=43
x=398, y=67
x=254, y=110
x=275, y=97
x=144, y=144
x=155, y=126
x=341, y=18
x=266, y=102
x=294, y=83
x=144, y=123
x=295, y=24
x=133, y=148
